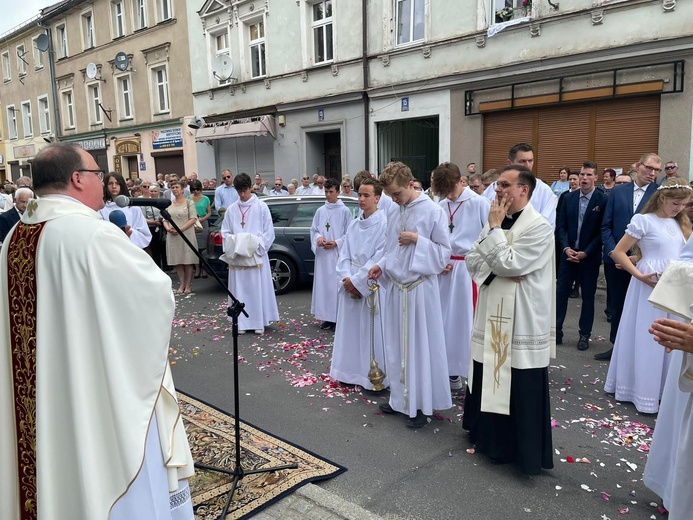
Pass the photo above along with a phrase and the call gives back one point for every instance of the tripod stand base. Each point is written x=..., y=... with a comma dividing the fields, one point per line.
x=238, y=473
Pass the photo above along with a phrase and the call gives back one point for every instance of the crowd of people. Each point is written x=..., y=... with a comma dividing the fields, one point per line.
x=467, y=280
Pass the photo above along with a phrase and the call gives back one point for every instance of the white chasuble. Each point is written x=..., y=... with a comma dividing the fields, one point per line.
x=100, y=380
x=252, y=286
x=351, y=356
x=330, y=222
x=525, y=250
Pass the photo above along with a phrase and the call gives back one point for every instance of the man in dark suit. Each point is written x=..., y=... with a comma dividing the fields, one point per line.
x=624, y=202
x=10, y=217
x=578, y=229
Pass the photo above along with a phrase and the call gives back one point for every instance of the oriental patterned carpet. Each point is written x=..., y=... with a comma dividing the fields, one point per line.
x=211, y=435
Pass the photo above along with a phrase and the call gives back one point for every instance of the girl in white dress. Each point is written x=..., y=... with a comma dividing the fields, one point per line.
x=638, y=367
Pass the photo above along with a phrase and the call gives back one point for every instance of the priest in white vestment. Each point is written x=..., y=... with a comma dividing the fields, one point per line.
x=543, y=198
x=90, y=427
x=248, y=221
x=417, y=249
x=466, y=213
x=136, y=229
x=329, y=226
x=358, y=314
x=507, y=410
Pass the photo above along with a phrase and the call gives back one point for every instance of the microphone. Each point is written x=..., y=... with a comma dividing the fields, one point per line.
x=123, y=202
x=117, y=217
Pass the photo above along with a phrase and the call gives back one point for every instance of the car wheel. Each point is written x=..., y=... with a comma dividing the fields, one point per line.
x=284, y=273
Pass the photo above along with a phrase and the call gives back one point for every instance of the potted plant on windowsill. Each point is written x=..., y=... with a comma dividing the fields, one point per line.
x=503, y=15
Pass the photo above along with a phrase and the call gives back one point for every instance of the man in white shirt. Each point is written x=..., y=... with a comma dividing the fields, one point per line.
x=319, y=186
x=304, y=188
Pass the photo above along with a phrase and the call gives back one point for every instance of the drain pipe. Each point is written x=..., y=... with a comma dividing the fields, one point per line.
x=366, y=81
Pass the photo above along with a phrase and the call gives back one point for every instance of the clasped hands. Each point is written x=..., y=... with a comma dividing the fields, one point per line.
x=326, y=244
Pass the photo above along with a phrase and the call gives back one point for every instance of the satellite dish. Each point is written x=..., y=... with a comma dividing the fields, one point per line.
x=222, y=67
x=42, y=42
x=91, y=70
x=122, y=62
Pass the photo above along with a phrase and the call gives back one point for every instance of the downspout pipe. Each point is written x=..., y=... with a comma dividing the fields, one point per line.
x=366, y=81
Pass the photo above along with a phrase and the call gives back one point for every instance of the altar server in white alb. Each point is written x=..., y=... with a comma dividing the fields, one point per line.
x=417, y=249
x=467, y=213
x=506, y=409
x=363, y=244
x=89, y=423
x=543, y=199
x=330, y=224
x=248, y=233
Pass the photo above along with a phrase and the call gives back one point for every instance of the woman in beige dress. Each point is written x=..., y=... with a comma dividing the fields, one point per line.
x=179, y=254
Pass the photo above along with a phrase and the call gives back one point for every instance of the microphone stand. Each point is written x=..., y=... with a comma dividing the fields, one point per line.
x=234, y=310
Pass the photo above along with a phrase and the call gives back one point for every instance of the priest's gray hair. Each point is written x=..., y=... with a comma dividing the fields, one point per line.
x=54, y=165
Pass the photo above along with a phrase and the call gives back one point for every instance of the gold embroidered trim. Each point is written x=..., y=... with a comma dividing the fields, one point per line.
x=21, y=283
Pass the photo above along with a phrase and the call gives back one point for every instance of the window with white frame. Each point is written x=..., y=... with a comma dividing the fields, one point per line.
x=257, y=49
x=61, y=40
x=125, y=97
x=6, y=66
x=38, y=55
x=44, y=115
x=27, y=119
x=165, y=10
x=322, y=32
x=140, y=10
x=220, y=46
x=12, y=122
x=88, y=29
x=21, y=59
x=69, y=110
x=94, y=97
x=410, y=16
x=160, y=80
x=118, y=15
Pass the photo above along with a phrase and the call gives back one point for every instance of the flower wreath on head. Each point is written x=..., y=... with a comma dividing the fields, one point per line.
x=675, y=186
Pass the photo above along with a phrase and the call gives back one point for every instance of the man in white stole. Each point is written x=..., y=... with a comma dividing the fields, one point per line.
x=668, y=469
x=250, y=277
x=507, y=408
x=86, y=393
x=417, y=249
x=330, y=224
x=467, y=213
x=362, y=245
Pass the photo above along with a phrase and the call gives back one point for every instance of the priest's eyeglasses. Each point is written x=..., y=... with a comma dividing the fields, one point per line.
x=99, y=173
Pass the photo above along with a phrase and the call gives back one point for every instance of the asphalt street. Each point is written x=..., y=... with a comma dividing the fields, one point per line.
x=600, y=445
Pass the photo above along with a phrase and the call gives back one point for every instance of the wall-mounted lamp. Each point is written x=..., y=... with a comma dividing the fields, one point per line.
x=281, y=120
x=136, y=134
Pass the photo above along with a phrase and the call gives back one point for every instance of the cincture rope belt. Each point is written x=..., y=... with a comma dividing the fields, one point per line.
x=405, y=288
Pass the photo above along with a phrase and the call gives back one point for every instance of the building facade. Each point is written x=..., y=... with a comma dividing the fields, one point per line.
x=284, y=85
x=27, y=107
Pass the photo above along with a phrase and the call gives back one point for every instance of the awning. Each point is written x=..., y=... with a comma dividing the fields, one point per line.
x=248, y=127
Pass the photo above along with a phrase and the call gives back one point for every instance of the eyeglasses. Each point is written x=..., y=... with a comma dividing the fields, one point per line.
x=305, y=178
x=278, y=185
x=195, y=189
x=227, y=177
x=99, y=173
x=652, y=169
x=506, y=185
x=670, y=167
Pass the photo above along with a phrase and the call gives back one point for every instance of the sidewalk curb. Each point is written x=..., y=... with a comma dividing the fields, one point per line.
x=335, y=504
